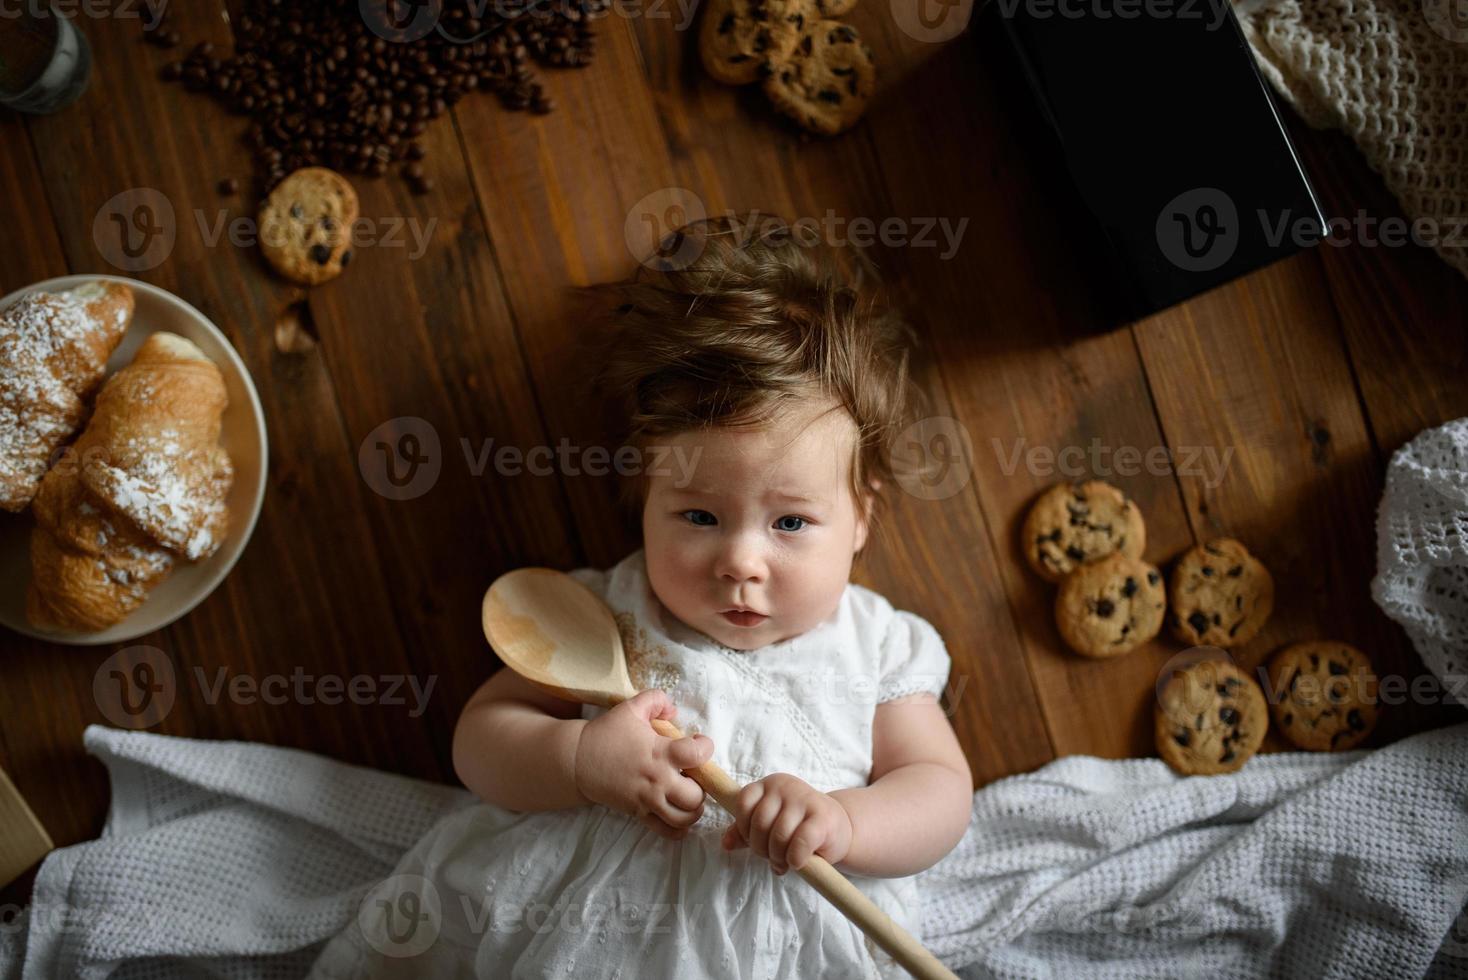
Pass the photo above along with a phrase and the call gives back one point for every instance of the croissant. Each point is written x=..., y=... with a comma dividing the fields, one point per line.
x=143, y=486
x=53, y=354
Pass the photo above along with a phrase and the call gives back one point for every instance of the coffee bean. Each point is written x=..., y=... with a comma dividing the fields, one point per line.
x=317, y=70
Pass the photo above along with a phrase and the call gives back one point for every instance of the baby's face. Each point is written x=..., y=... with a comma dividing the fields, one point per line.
x=767, y=523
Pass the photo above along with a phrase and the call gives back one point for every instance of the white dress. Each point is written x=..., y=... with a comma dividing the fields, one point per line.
x=590, y=893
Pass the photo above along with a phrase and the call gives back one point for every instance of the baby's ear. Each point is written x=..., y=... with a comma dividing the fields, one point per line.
x=864, y=513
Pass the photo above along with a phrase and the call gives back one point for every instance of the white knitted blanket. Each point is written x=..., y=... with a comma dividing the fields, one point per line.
x=233, y=859
x=1391, y=74
x=1422, y=550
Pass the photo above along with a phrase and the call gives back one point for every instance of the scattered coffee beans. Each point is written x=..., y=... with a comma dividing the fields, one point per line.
x=324, y=87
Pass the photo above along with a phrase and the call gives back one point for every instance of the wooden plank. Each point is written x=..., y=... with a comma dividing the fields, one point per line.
x=308, y=596
x=1012, y=326
x=433, y=338
x=555, y=192
x=1403, y=310
x=1256, y=370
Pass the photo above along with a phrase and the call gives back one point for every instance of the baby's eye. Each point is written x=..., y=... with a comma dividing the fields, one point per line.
x=782, y=526
x=697, y=518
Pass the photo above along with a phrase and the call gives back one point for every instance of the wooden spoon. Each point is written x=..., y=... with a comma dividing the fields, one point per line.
x=560, y=636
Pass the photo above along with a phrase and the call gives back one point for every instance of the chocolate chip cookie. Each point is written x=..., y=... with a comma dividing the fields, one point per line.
x=1323, y=695
x=1109, y=607
x=1221, y=595
x=739, y=36
x=1075, y=523
x=1211, y=717
x=306, y=225
x=827, y=81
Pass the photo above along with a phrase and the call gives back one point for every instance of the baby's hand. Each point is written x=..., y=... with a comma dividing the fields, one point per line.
x=785, y=819
x=623, y=763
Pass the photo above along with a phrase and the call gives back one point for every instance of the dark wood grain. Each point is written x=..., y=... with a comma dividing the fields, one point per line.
x=1312, y=371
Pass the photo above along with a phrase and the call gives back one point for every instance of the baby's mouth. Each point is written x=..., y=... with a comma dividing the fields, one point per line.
x=743, y=617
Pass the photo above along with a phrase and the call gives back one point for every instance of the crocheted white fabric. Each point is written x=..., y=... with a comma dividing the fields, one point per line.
x=1422, y=550
x=1393, y=75
x=229, y=859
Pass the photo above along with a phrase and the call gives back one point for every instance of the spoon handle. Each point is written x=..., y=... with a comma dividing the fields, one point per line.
x=852, y=901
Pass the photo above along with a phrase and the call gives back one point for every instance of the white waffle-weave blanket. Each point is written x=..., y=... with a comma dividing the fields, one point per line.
x=232, y=859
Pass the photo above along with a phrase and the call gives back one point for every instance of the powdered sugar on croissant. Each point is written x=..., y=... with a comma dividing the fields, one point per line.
x=53, y=354
x=151, y=451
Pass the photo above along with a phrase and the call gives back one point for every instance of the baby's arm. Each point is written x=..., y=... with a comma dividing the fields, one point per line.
x=520, y=748
x=515, y=746
x=916, y=805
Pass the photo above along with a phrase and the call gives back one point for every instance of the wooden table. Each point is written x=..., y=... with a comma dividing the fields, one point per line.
x=1311, y=372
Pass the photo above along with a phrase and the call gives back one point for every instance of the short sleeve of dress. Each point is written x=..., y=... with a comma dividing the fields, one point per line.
x=913, y=658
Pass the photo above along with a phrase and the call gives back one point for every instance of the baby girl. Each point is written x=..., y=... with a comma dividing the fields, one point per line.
x=777, y=376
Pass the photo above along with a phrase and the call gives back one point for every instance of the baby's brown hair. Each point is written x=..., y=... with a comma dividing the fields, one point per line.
x=736, y=316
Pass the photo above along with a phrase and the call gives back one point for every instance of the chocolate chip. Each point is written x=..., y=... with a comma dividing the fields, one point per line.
x=1236, y=571
x=1208, y=571
x=297, y=212
x=320, y=254
x=1227, y=715
x=1228, y=755
x=727, y=24
x=1129, y=588
x=1182, y=738
x=1152, y=578
x=1198, y=622
x=1104, y=608
x=1314, y=662
x=1075, y=553
x=346, y=258
x=1354, y=719
x=1335, y=667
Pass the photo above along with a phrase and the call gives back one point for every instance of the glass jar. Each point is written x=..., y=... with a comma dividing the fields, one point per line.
x=45, y=62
